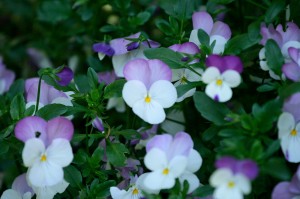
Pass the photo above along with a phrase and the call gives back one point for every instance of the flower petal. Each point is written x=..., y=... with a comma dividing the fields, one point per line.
x=181, y=145
x=232, y=78
x=285, y=124
x=156, y=159
x=219, y=93
x=28, y=128
x=157, y=180
x=32, y=151
x=119, y=61
x=137, y=69
x=221, y=29
x=162, y=142
x=116, y=193
x=164, y=93
x=11, y=194
x=159, y=71
x=243, y=183
x=220, y=177
x=292, y=148
x=210, y=75
x=202, y=20
x=192, y=180
x=59, y=127
x=194, y=37
x=220, y=43
x=194, y=161
x=134, y=91
x=20, y=185
x=291, y=71
x=60, y=152
x=281, y=191
x=178, y=165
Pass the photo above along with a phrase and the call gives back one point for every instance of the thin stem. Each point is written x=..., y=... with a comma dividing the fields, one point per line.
x=38, y=95
x=257, y=4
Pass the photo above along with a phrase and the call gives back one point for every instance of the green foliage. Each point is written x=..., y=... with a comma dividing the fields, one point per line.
x=274, y=56
x=116, y=153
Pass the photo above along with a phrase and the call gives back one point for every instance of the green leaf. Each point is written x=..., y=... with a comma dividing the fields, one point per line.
x=7, y=131
x=274, y=56
x=102, y=190
x=127, y=133
x=82, y=83
x=274, y=147
x=238, y=44
x=183, y=88
x=277, y=168
x=108, y=28
x=266, y=87
x=203, y=37
x=114, y=89
x=16, y=88
x=210, y=109
x=17, y=107
x=163, y=26
x=142, y=18
x=168, y=56
x=222, y=1
x=203, y=191
x=96, y=157
x=274, y=10
x=210, y=133
x=287, y=91
x=73, y=176
x=256, y=150
x=54, y=11
x=115, y=153
x=51, y=111
x=294, y=8
x=254, y=30
x=230, y=132
x=92, y=78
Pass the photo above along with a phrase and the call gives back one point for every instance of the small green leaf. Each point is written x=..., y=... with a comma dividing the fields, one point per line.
x=287, y=91
x=92, y=78
x=277, y=168
x=115, y=153
x=238, y=44
x=203, y=37
x=73, y=176
x=183, y=88
x=54, y=11
x=203, y=191
x=256, y=150
x=51, y=111
x=163, y=26
x=114, y=89
x=274, y=10
x=210, y=109
x=274, y=147
x=274, y=56
x=210, y=133
x=127, y=133
x=16, y=88
x=17, y=107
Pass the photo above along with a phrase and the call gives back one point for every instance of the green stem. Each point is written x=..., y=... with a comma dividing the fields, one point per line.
x=257, y=4
x=38, y=95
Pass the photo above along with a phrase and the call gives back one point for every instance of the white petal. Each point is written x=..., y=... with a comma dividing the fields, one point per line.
x=45, y=174
x=219, y=93
x=177, y=74
x=219, y=44
x=192, y=179
x=157, y=180
x=119, y=61
x=262, y=53
x=48, y=192
x=11, y=194
x=152, y=112
x=32, y=151
x=194, y=161
x=178, y=165
x=62, y=100
x=220, y=176
x=192, y=76
x=264, y=66
x=286, y=123
x=232, y=78
x=293, y=148
x=164, y=93
x=27, y=195
x=101, y=56
x=243, y=183
x=117, y=103
x=134, y=91
x=156, y=159
x=116, y=193
x=194, y=37
x=142, y=186
x=60, y=152
x=223, y=192
x=287, y=45
x=210, y=75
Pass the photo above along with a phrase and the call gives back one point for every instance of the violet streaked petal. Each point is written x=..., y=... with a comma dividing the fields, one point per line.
x=222, y=29
x=159, y=71
x=247, y=167
x=30, y=82
x=104, y=49
x=294, y=53
x=107, y=77
x=8, y=77
x=202, y=20
x=138, y=69
x=281, y=191
x=65, y=76
x=153, y=44
x=292, y=32
x=132, y=46
x=98, y=124
x=216, y=61
x=270, y=33
x=233, y=62
x=30, y=127
x=162, y=142
x=175, y=47
x=291, y=105
x=181, y=146
x=291, y=71
x=59, y=127
x=295, y=185
x=226, y=162
x=120, y=44
x=21, y=186
x=189, y=48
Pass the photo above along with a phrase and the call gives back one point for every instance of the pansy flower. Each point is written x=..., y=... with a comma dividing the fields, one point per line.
x=222, y=74
x=134, y=191
x=218, y=32
x=287, y=190
x=6, y=77
x=292, y=69
x=148, y=89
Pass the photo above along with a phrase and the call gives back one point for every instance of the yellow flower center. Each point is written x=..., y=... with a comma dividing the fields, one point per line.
x=166, y=171
x=147, y=99
x=183, y=80
x=43, y=158
x=294, y=132
x=231, y=184
x=219, y=82
x=135, y=191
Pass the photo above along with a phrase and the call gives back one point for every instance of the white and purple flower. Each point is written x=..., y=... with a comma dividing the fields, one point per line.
x=233, y=178
x=65, y=75
x=292, y=69
x=218, y=31
x=287, y=190
x=148, y=89
x=222, y=74
x=134, y=191
x=7, y=77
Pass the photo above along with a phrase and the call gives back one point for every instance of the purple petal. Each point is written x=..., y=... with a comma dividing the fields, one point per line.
x=181, y=145
x=281, y=191
x=292, y=105
x=104, y=49
x=98, y=124
x=233, y=63
x=247, y=167
x=216, y=61
x=295, y=185
x=8, y=76
x=20, y=185
x=270, y=33
x=187, y=47
x=59, y=127
x=202, y=20
x=291, y=71
x=162, y=142
x=226, y=162
x=175, y=47
x=153, y=44
x=65, y=76
x=292, y=32
x=119, y=45
x=137, y=69
x=159, y=71
x=107, y=77
x=28, y=128
x=222, y=29
x=132, y=46
x=294, y=53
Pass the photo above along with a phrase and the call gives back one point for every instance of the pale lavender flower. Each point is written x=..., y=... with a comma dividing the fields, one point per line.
x=287, y=190
x=291, y=105
x=7, y=77
x=64, y=76
x=39, y=58
x=292, y=69
x=218, y=31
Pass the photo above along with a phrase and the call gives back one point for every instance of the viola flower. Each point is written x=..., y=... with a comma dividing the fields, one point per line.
x=218, y=31
x=285, y=39
x=98, y=124
x=148, y=89
x=168, y=159
x=19, y=190
x=183, y=76
x=122, y=53
x=7, y=77
x=292, y=69
x=39, y=58
x=48, y=94
x=289, y=134
x=48, y=192
x=233, y=178
x=221, y=75
x=65, y=75
x=287, y=190
x=134, y=192
x=291, y=105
